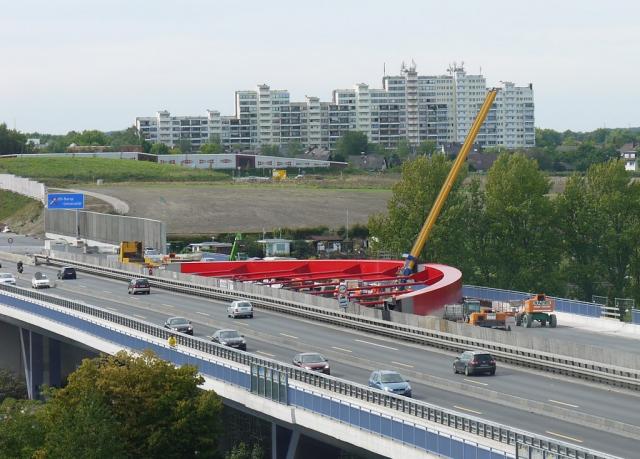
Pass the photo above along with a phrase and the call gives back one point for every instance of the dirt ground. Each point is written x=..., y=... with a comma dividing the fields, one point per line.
x=204, y=208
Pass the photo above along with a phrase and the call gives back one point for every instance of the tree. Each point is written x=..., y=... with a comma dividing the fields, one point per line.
x=294, y=148
x=127, y=136
x=88, y=138
x=158, y=409
x=211, y=148
x=270, y=150
x=243, y=451
x=159, y=149
x=175, y=150
x=428, y=147
x=185, y=145
x=409, y=206
x=548, y=138
x=403, y=149
x=11, y=141
x=522, y=243
x=351, y=143
x=600, y=215
x=11, y=386
x=22, y=428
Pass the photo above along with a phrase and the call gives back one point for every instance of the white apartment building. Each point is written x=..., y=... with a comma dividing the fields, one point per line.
x=408, y=107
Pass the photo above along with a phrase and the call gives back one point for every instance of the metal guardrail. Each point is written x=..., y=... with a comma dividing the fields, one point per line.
x=419, y=409
x=546, y=361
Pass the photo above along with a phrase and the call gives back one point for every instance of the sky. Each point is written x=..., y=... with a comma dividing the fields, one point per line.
x=94, y=64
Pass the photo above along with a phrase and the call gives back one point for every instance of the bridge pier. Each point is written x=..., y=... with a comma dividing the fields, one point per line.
x=41, y=361
x=287, y=443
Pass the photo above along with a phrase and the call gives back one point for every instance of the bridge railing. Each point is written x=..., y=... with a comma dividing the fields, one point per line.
x=39, y=303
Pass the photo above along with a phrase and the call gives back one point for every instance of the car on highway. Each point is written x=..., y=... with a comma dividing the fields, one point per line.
x=474, y=362
x=7, y=279
x=179, y=324
x=139, y=286
x=240, y=308
x=40, y=280
x=312, y=361
x=390, y=381
x=231, y=338
x=67, y=272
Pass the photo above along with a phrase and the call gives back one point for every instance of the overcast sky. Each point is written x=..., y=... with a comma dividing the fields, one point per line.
x=93, y=64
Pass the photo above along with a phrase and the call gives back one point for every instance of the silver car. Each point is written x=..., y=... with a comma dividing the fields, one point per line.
x=241, y=308
x=7, y=279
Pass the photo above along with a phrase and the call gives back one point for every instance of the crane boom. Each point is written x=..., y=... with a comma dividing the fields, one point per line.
x=418, y=245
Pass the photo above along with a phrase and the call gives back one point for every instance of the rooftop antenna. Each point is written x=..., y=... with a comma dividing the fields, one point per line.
x=384, y=69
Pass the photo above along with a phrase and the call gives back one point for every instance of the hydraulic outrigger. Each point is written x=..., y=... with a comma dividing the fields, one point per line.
x=410, y=261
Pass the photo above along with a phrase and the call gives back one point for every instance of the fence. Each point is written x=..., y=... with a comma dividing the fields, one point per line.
x=105, y=228
x=635, y=316
x=311, y=399
x=23, y=186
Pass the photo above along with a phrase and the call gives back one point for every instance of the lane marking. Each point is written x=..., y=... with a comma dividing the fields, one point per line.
x=563, y=403
x=167, y=305
x=112, y=309
x=289, y=336
x=242, y=324
x=202, y=313
x=82, y=286
x=374, y=344
x=563, y=436
x=341, y=349
x=402, y=364
x=138, y=315
x=265, y=353
x=467, y=409
x=475, y=382
x=107, y=291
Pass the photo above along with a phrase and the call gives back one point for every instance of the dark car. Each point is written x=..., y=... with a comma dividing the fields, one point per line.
x=67, y=272
x=390, y=381
x=179, y=324
x=312, y=361
x=231, y=338
x=473, y=362
x=139, y=286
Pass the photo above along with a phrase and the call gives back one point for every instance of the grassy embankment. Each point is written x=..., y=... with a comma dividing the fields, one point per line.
x=65, y=171
x=18, y=210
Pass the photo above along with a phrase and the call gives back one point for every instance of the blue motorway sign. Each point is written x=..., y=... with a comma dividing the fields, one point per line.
x=65, y=201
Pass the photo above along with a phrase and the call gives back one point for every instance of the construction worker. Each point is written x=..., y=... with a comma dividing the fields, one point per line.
x=172, y=341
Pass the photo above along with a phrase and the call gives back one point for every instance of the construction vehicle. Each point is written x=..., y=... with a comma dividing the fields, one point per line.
x=539, y=307
x=503, y=320
x=235, y=255
x=460, y=312
x=131, y=252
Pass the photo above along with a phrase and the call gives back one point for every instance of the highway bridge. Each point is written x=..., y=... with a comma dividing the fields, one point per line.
x=567, y=411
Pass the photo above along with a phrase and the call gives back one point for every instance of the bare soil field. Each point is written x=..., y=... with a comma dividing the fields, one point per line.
x=222, y=208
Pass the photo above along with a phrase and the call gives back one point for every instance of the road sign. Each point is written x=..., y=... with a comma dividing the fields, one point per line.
x=343, y=301
x=342, y=288
x=65, y=201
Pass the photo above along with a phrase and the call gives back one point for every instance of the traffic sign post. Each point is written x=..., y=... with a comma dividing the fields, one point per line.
x=343, y=301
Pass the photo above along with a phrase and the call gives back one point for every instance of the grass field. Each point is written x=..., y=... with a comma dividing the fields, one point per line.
x=66, y=171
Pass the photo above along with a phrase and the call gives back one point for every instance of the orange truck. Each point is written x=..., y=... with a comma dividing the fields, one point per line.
x=540, y=308
x=493, y=319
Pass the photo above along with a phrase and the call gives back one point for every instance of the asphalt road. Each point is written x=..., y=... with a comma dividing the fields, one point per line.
x=353, y=355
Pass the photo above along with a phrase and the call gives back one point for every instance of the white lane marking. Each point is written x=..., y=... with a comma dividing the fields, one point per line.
x=138, y=315
x=476, y=382
x=563, y=403
x=112, y=309
x=563, y=436
x=467, y=409
x=289, y=336
x=374, y=344
x=242, y=324
x=402, y=364
x=202, y=313
x=107, y=291
x=167, y=305
x=341, y=349
x=265, y=353
x=82, y=286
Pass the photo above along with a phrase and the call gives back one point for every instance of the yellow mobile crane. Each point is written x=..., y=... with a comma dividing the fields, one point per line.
x=410, y=262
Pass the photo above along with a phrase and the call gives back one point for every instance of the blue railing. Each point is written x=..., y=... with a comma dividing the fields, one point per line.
x=635, y=316
x=581, y=308
x=377, y=423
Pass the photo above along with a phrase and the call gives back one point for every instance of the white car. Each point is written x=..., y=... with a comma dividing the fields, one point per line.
x=7, y=279
x=242, y=308
x=40, y=280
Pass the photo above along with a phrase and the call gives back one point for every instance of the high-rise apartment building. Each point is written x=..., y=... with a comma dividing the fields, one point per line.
x=409, y=107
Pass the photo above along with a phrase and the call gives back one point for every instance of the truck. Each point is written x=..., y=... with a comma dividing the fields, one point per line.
x=493, y=319
x=538, y=307
x=460, y=312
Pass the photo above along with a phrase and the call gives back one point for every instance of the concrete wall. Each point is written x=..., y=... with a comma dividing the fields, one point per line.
x=105, y=228
x=105, y=154
x=24, y=186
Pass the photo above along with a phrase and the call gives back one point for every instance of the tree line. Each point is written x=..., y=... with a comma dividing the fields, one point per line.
x=507, y=230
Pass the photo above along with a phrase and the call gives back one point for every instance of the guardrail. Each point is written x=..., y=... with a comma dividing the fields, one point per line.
x=422, y=410
x=559, y=364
